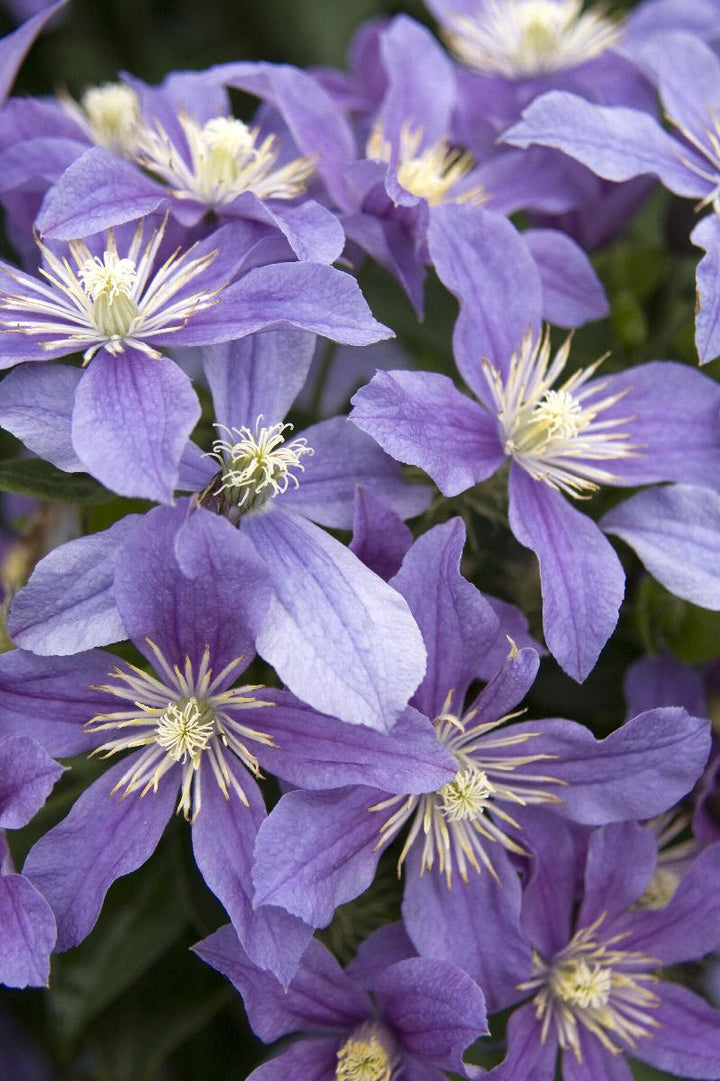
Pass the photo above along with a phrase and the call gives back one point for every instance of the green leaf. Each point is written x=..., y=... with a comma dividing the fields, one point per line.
x=141, y=921
x=691, y=633
x=34, y=477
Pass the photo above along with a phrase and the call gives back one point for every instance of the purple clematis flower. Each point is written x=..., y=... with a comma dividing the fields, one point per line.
x=619, y=143
x=122, y=303
x=410, y=1018
x=597, y=992
x=27, y=924
x=319, y=848
x=561, y=437
x=203, y=162
x=196, y=741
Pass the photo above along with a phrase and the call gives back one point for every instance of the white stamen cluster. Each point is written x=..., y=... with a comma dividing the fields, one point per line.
x=226, y=158
x=108, y=115
x=430, y=174
x=593, y=984
x=526, y=38
x=256, y=465
x=365, y=1056
x=182, y=718
x=555, y=433
x=456, y=824
x=109, y=301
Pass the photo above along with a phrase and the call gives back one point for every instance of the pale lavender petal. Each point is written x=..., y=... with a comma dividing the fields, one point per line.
x=393, y=245
x=27, y=933
x=102, y=838
x=98, y=190
x=597, y=1064
x=337, y=635
x=474, y=925
x=258, y=376
x=37, y=162
x=343, y=458
x=320, y=997
x=581, y=577
x=14, y=46
x=220, y=608
x=312, y=231
x=615, y=142
x=420, y=83
x=529, y=1058
x=435, y=1008
x=308, y=296
x=385, y=946
x=550, y=884
x=486, y=264
x=68, y=604
x=638, y=771
x=572, y=292
x=312, y=1060
x=675, y=530
x=689, y=926
x=317, y=850
x=532, y=179
x=679, y=444
x=315, y=751
x=706, y=235
x=457, y=624
x=514, y=625
x=420, y=418
x=196, y=469
x=621, y=861
x=380, y=538
x=133, y=416
x=664, y=681
x=508, y=686
x=36, y=405
x=687, y=1042
x=223, y=837
x=27, y=776
x=51, y=698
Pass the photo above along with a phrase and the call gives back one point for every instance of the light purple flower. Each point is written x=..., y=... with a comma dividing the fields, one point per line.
x=410, y=1017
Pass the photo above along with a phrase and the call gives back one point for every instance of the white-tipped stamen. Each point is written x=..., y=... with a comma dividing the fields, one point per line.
x=595, y=985
x=109, y=301
x=256, y=464
x=226, y=158
x=555, y=433
x=456, y=825
x=183, y=718
x=433, y=173
x=525, y=38
x=108, y=115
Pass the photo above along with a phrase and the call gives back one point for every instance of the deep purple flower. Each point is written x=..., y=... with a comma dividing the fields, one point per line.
x=407, y=1018
x=561, y=436
x=595, y=983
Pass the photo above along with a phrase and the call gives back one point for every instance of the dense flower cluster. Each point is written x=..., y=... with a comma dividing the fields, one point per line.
x=269, y=612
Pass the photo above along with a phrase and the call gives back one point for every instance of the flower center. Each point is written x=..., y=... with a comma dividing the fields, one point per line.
x=457, y=825
x=112, y=114
x=591, y=983
x=581, y=984
x=110, y=283
x=223, y=159
x=431, y=173
x=185, y=729
x=555, y=433
x=363, y=1057
x=256, y=465
x=521, y=38
x=182, y=718
x=466, y=797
